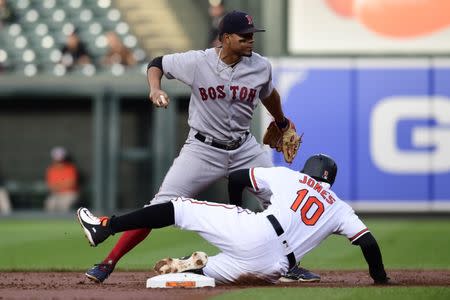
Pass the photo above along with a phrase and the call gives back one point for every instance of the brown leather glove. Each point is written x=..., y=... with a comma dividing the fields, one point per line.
x=284, y=140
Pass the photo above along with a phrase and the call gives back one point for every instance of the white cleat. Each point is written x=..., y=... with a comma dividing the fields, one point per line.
x=194, y=262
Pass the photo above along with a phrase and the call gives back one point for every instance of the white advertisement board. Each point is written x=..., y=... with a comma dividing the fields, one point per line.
x=369, y=26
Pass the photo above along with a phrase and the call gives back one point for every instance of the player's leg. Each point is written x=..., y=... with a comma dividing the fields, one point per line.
x=154, y=216
x=127, y=241
x=196, y=167
x=99, y=229
x=226, y=269
x=248, y=242
x=222, y=268
x=240, y=237
x=252, y=155
x=228, y=227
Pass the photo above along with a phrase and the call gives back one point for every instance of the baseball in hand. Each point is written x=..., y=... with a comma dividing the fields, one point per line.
x=162, y=101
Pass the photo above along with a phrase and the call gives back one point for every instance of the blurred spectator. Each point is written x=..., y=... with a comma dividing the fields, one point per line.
x=6, y=13
x=117, y=52
x=5, y=203
x=74, y=52
x=216, y=13
x=62, y=180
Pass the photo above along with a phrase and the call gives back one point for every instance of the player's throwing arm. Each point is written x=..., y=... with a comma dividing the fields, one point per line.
x=154, y=75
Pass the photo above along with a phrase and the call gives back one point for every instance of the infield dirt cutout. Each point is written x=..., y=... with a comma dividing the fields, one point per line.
x=131, y=285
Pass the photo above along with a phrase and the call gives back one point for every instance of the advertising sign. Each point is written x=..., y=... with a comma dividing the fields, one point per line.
x=368, y=26
x=385, y=121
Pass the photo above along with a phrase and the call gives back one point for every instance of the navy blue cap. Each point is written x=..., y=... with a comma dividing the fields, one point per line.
x=238, y=22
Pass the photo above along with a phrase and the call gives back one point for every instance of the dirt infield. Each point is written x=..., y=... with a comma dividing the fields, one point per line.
x=131, y=285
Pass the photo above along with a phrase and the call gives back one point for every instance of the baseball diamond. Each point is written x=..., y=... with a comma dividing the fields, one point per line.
x=131, y=285
x=171, y=149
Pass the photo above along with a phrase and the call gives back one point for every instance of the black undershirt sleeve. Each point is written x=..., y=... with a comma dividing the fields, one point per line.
x=153, y=216
x=156, y=62
x=237, y=181
x=372, y=254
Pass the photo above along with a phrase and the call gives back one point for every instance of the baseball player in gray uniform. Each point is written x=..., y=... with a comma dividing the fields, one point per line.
x=227, y=83
x=304, y=212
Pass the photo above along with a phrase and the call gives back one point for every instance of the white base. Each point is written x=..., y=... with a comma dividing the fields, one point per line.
x=180, y=280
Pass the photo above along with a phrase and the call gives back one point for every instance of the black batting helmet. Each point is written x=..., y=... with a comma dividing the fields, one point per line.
x=321, y=167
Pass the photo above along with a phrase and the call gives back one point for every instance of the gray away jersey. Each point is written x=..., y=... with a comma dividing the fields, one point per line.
x=223, y=98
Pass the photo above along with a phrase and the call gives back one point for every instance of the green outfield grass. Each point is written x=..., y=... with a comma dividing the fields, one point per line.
x=409, y=244
x=391, y=293
x=61, y=245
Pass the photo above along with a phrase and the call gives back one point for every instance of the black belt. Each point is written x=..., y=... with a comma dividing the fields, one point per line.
x=279, y=230
x=233, y=145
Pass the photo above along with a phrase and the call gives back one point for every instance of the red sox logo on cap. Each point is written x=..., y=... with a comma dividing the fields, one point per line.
x=250, y=19
x=238, y=22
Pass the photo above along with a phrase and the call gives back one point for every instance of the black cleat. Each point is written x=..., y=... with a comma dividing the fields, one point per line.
x=95, y=229
x=299, y=274
x=99, y=272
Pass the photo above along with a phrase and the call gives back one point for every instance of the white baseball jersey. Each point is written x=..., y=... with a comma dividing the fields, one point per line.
x=223, y=97
x=307, y=210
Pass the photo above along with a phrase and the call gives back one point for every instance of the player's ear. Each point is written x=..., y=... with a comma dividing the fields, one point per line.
x=227, y=38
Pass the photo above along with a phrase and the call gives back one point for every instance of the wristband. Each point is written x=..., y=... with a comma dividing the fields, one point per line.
x=283, y=123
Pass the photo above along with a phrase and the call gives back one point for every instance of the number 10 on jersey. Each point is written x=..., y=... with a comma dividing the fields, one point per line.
x=305, y=210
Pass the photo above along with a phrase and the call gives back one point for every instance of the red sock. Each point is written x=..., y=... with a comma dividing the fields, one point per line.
x=127, y=241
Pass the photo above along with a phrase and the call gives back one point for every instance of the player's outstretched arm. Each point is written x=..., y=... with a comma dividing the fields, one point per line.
x=372, y=254
x=273, y=104
x=237, y=181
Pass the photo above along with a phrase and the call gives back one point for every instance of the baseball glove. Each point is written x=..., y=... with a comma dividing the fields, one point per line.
x=283, y=140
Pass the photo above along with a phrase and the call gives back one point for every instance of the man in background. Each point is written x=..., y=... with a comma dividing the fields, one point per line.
x=62, y=182
x=74, y=52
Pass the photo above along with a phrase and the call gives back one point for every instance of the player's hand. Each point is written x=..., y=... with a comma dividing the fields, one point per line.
x=382, y=281
x=379, y=277
x=159, y=98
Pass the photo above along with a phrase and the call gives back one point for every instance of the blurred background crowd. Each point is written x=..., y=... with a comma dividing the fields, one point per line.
x=90, y=37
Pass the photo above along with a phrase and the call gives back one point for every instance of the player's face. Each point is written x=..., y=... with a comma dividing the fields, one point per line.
x=242, y=44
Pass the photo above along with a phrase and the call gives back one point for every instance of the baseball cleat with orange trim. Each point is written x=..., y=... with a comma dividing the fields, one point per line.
x=95, y=229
